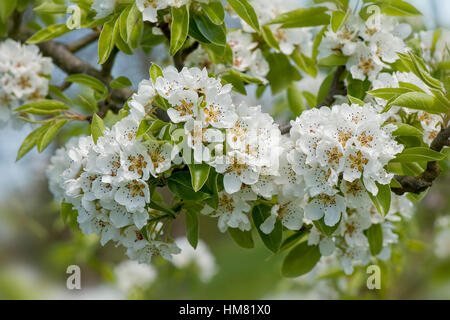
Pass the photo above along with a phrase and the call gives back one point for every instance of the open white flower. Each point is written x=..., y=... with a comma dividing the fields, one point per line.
x=290, y=212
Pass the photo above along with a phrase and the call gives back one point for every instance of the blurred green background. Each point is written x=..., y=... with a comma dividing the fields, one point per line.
x=36, y=247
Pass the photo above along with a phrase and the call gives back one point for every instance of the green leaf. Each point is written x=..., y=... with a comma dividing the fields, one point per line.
x=233, y=77
x=270, y=38
x=90, y=82
x=295, y=100
x=6, y=8
x=46, y=106
x=49, y=8
x=180, y=184
x=48, y=33
x=199, y=175
x=354, y=100
x=337, y=18
x=333, y=60
x=243, y=239
x=30, y=141
x=179, y=28
x=357, y=88
x=192, y=228
x=69, y=215
x=246, y=12
x=389, y=93
x=212, y=32
x=382, y=201
x=398, y=8
x=300, y=260
x=155, y=72
x=47, y=137
x=134, y=26
x=215, y=11
x=375, y=236
x=304, y=17
x=120, y=83
x=97, y=127
x=292, y=240
x=106, y=40
x=406, y=130
x=305, y=63
x=418, y=154
x=281, y=73
x=273, y=240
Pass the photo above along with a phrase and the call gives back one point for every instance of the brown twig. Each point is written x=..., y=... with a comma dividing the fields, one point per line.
x=337, y=87
x=82, y=42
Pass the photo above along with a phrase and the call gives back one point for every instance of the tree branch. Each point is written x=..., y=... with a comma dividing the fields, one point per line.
x=421, y=183
x=337, y=87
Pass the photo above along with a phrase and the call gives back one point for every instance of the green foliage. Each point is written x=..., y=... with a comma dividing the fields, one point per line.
x=382, y=201
x=246, y=12
x=179, y=28
x=243, y=239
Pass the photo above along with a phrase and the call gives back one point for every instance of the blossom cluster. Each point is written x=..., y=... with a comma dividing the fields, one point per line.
x=340, y=153
x=369, y=45
x=431, y=123
x=24, y=76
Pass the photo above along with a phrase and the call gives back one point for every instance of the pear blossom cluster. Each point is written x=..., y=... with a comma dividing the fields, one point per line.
x=322, y=171
x=341, y=152
x=369, y=45
x=24, y=76
x=108, y=184
x=348, y=245
x=435, y=46
x=289, y=39
x=431, y=123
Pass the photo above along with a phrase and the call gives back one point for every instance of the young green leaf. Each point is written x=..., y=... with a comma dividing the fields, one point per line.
x=30, y=141
x=120, y=83
x=47, y=137
x=295, y=100
x=375, y=237
x=305, y=17
x=48, y=33
x=199, y=175
x=192, y=227
x=89, y=81
x=246, y=12
x=155, y=72
x=418, y=154
x=106, y=40
x=179, y=28
x=382, y=201
x=212, y=32
x=215, y=11
x=97, y=127
x=48, y=106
